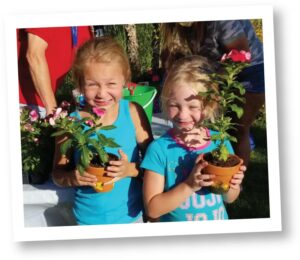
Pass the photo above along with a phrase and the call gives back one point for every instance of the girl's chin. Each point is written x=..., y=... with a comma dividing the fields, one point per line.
x=185, y=129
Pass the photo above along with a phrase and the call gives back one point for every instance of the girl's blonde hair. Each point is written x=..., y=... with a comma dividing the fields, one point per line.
x=194, y=71
x=103, y=50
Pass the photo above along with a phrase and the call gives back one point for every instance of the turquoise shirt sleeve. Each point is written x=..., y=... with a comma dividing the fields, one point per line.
x=154, y=159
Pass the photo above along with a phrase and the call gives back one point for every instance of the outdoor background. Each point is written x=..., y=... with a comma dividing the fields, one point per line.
x=142, y=43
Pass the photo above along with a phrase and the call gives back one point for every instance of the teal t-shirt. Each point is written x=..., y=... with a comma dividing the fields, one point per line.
x=173, y=161
x=124, y=203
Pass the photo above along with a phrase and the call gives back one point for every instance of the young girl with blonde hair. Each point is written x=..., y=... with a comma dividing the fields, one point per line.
x=174, y=187
x=101, y=70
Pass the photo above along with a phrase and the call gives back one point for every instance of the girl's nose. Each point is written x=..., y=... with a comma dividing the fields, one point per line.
x=182, y=113
x=100, y=92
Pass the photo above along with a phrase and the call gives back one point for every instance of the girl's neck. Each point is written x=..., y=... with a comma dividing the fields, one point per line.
x=196, y=139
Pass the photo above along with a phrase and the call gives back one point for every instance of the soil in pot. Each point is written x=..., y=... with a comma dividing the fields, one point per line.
x=97, y=168
x=223, y=171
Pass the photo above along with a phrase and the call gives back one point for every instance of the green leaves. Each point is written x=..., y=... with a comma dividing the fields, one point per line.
x=238, y=110
x=66, y=146
x=229, y=98
x=81, y=135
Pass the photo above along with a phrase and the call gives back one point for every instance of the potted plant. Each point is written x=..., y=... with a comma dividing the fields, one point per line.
x=83, y=137
x=37, y=146
x=230, y=92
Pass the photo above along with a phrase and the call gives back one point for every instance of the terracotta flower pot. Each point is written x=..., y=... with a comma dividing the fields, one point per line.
x=222, y=174
x=101, y=178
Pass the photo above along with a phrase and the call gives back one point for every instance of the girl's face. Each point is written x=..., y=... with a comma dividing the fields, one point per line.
x=184, y=108
x=103, y=84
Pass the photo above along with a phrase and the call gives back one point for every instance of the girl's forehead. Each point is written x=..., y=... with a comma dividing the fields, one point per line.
x=183, y=88
x=109, y=63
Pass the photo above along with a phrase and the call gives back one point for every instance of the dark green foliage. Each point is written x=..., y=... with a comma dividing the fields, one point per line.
x=118, y=32
x=37, y=147
x=253, y=201
x=145, y=36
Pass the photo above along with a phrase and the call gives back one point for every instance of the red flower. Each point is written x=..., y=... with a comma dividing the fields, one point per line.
x=237, y=56
x=131, y=87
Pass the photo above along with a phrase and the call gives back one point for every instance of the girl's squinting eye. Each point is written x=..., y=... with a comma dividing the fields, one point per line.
x=194, y=107
x=90, y=84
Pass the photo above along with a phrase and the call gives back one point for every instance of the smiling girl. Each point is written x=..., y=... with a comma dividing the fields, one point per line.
x=101, y=70
x=174, y=187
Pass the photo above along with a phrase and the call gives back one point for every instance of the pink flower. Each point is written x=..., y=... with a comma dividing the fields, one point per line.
x=65, y=105
x=247, y=55
x=72, y=118
x=237, y=56
x=63, y=114
x=224, y=57
x=28, y=127
x=99, y=111
x=34, y=116
x=51, y=121
x=89, y=123
x=57, y=112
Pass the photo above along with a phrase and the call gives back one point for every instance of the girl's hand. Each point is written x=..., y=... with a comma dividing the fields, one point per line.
x=118, y=169
x=196, y=180
x=237, y=178
x=84, y=179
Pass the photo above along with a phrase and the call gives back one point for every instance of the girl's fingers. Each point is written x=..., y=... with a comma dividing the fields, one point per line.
x=200, y=166
x=115, y=163
x=243, y=168
x=117, y=168
x=199, y=158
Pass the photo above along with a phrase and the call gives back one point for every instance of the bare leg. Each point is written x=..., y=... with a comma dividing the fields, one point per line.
x=254, y=102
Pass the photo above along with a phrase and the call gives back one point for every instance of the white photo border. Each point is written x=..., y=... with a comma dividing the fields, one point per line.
x=21, y=233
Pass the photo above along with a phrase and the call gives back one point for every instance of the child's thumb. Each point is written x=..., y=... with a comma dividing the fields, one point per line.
x=123, y=156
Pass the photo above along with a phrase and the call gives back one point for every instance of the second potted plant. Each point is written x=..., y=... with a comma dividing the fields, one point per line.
x=222, y=164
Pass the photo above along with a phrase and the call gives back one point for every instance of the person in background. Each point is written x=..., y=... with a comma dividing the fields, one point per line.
x=45, y=56
x=212, y=39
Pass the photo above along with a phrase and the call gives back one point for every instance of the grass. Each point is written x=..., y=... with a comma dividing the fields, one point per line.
x=253, y=201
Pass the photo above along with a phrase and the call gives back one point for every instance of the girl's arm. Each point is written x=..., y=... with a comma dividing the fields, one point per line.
x=63, y=176
x=158, y=202
x=142, y=127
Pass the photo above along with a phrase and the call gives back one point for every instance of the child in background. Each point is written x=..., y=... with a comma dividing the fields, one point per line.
x=101, y=70
x=174, y=187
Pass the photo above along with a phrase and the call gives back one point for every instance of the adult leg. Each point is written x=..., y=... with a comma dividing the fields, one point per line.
x=254, y=102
